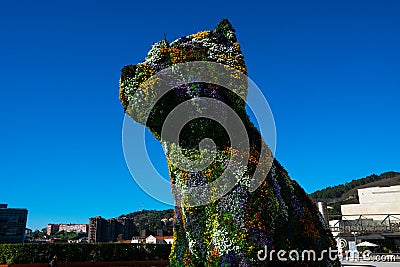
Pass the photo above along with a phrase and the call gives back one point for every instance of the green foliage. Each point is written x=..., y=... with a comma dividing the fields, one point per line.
x=225, y=28
x=38, y=234
x=69, y=235
x=128, y=72
x=81, y=252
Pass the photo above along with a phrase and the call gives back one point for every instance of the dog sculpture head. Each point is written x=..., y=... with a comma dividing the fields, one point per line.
x=150, y=90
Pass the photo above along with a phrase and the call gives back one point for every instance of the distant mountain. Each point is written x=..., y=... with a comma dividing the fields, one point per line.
x=347, y=193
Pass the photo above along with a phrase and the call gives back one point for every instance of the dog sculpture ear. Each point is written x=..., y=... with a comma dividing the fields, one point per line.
x=224, y=27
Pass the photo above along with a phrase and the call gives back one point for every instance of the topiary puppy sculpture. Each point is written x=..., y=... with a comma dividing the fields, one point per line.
x=235, y=204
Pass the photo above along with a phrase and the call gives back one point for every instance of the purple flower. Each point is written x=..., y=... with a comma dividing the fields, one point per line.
x=229, y=259
x=297, y=207
x=260, y=238
x=277, y=189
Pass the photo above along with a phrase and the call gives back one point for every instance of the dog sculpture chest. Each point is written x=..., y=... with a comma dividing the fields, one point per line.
x=225, y=215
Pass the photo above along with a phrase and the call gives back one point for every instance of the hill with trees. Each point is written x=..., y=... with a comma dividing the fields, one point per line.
x=348, y=193
x=152, y=220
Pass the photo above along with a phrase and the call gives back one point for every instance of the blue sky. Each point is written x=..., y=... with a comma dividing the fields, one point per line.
x=329, y=69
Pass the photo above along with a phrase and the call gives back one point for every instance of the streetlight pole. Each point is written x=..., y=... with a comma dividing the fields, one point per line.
x=355, y=238
x=355, y=252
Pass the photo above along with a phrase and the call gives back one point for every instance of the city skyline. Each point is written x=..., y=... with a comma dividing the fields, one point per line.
x=328, y=70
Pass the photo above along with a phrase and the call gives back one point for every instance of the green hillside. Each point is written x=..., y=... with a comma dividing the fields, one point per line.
x=347, y=193
x=151, y=220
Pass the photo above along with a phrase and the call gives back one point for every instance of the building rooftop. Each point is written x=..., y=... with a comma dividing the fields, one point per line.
x=5, y=206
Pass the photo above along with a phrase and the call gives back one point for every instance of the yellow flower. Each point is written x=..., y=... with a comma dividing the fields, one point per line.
x=201, y=35
x=237, y=46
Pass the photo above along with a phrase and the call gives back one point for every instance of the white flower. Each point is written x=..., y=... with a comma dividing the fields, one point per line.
x=222, y=241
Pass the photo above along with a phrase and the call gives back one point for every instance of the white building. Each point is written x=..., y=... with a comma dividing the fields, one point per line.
x=376, y=203
x=54, y=228
x=73, y=228
x=138, y=240
x=151, y=239
x=169, y=239
x=159, y=239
